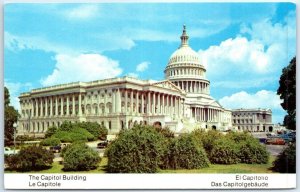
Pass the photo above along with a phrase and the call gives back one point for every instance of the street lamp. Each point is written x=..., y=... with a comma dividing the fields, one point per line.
x=15, y=125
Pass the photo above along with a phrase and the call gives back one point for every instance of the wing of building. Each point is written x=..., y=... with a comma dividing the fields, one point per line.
x=181, y=102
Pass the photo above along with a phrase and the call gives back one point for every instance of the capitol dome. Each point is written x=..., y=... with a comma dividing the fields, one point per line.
x=185, y=70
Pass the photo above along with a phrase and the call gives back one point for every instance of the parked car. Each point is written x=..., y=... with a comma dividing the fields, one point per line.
x=9, y=151
x=102, y=144
x=287, y=138
x=271, y=135
x=275, y=141
x=55, y=149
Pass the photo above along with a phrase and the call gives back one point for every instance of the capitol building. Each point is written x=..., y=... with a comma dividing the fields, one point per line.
x=181, y=101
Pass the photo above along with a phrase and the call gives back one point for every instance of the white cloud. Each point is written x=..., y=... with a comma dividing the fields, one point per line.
x=14, y=89
x=260, y=99
x=83, y=67
x=82, y=12
x=142, y=66
x=16, y=43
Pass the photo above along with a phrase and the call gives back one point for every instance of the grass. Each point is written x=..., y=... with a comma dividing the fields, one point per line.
x=213, y=168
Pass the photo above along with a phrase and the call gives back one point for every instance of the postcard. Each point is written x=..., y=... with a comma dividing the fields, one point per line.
x=153, y=95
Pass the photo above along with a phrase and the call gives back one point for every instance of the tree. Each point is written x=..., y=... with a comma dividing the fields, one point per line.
x=10, y=117
x=287, y=92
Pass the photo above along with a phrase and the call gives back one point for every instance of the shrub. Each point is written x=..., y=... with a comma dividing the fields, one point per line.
x=224, y=151
x=185, y=153
x=66, y=126
x=239, y=137
x=80, y=157
x=166, y=132
x=251, y=151
x=207, y=139
x=136, y=150
x=63, y=136
x=286, y=160
x=51, y=141
x=83, y=132
x=50, y=131
x=98, y=131
x=30, y=159
x=23, y=138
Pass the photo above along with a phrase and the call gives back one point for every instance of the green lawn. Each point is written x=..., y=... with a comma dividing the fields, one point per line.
x=213, y=168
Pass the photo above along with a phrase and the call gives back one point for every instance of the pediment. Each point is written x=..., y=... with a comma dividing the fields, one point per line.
x=169, y=85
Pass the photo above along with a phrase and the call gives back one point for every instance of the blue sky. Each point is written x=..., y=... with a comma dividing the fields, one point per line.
x=244, y=46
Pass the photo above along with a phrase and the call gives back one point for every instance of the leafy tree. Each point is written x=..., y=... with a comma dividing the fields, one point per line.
x=287, y=92
x=50, y=131
x=136, y=150
x=10, y=117
x=286, y=160
x=80, y=157
x=30, y=159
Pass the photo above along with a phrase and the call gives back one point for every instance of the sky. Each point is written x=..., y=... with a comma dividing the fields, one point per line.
x=244, y=46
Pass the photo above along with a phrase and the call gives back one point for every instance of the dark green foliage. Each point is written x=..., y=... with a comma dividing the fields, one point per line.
x=98, y=131
x=63, y=136
x=66, y=126
x=286, y=160
x=287, y=92
x=136, y=150
x=30, y=159
x=185, y=153
x=80, y=157
x=165, y=131
x=51, y=141
x=50, y=131
x=206, y=139
x=24, y=138
x=224, y=151
x=251, y=151
x=10, y=117
x=80, y=131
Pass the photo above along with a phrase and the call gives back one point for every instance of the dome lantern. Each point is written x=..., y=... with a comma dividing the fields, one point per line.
x=184, y=37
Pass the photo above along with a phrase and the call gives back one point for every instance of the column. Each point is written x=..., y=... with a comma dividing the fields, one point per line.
x=167, y=106
x=73, y=104
x=172, y=108
x=36, y=108
x=154, y=103
x=158, y=103
x=113, y=101
x=46, y=107
x=163, y=103
x=79, y=105
x=105, y=102
x=56, y=106
x=137, y=102
x=68, y=111
x=126, y=100
x=131, y=101
x=118, y=101
x=142, y=103
x=51, y=106
x=148, y=103
x=62, y=106
x=41, y=107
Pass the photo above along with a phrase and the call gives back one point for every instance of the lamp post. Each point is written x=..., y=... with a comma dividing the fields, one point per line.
x=15, y=125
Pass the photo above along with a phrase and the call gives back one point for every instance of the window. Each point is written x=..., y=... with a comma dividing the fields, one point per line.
x=109, y=125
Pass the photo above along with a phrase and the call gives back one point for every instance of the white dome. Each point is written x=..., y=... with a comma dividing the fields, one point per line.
x=184, y=55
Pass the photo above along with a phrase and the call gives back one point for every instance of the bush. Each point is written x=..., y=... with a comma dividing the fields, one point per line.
x=98, y=131
x=239, y=137
x=80, y=157
x=286, y=160
x=50, y=131
x=66, y=126
x=63, y=136
x=81, y=134
x=30, y=159
x=166, y=132
x=185, y=153
x=51, y=141
x=251, y=151
x=207, y=139
x=136, y=150
x=224, y=151
x=23, y=138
